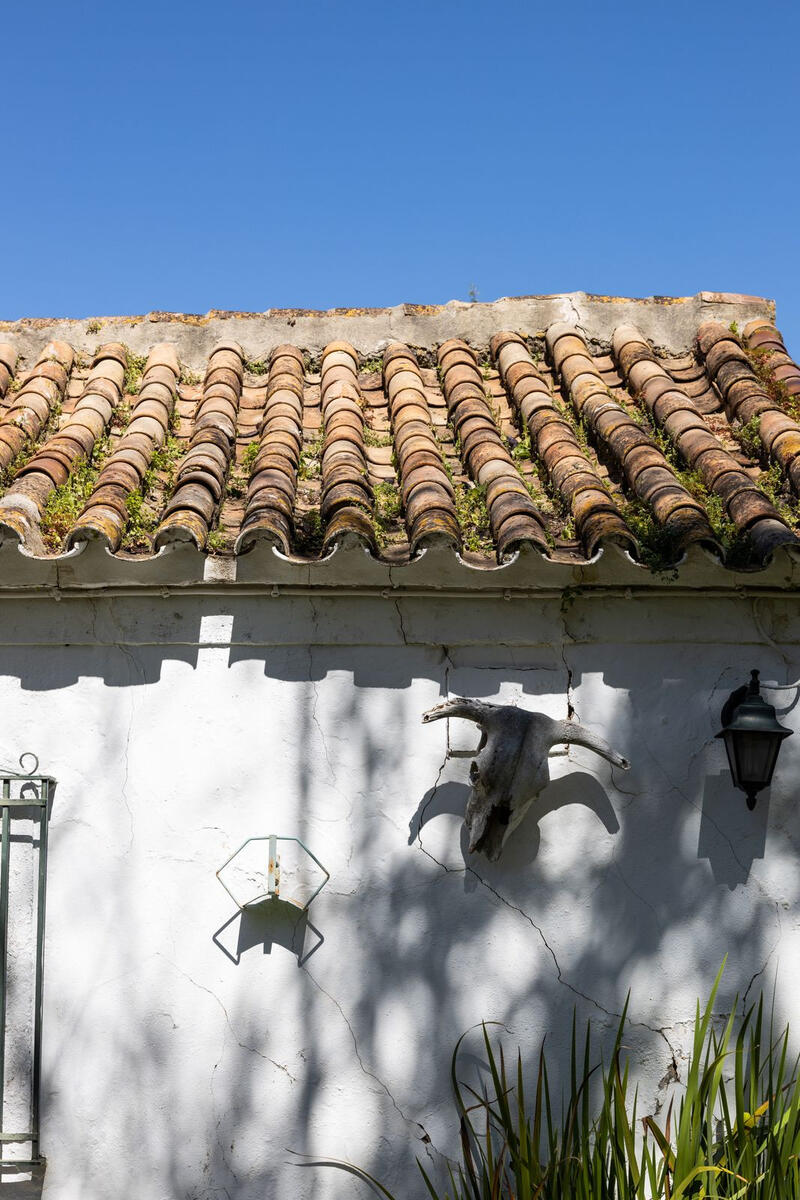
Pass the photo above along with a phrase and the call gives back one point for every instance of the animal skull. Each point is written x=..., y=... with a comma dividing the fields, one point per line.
x=511, y=767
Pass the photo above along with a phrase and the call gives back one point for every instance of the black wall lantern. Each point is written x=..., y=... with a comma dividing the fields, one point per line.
x=752, y=738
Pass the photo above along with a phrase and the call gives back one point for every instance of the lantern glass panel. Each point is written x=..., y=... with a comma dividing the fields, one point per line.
x=755, y=755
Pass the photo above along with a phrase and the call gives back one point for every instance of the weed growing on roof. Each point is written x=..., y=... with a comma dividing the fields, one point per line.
x=141, y=524
x=142, y=516
x=134, y=369
x=240, y=477
x=386, y=512
x=734, y=327
x=190, y=378
x=10, y=471
x=66, y=503
x=310, y=463
x=522, y=448
x=216, y=541
x=748, y=436
x=164, y=460
x=473, y=517
x=308, y=534
x=658, y=546
x=249, y=457
x=777, y=490
x=776, y=388
x=256, y=366
x=371, y=366
x=15, y=384
x=371, y=438
x=120, y=417
x=94, y=326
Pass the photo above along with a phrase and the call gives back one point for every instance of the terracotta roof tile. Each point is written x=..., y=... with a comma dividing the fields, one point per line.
x=49, y=467
x=347, y=497
x=646, y=469
x=673, y=410
x=269, y=515
x=764, y=339
x=597, y=515
x=480, y=444
x=40, y=393
x=427, y=492
x=747, y=399
x=200, y=478
x=106, y=513
x=8, y=363
x=514, y=517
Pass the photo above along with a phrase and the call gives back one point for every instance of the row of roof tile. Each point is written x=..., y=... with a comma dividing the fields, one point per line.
x=558, y=445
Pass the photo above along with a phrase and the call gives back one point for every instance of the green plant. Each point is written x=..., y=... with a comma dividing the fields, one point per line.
x=141, y=524
x=522, y=448
x=189, y=377
x=372, y=365
x=733, y=1135
x=658, y=547
x=473, y=517
x=216, y=542
x=371, y=438
x=310, y=463
x=164, y=461
x=142, y=517
x=132, y=379
x=748, y=436
x=65, y=504
x=240, y=476
x=256, y=366
x=121, y=416
x=777, y=390
x=387, y=509
x=94, y=326
x=308, y=533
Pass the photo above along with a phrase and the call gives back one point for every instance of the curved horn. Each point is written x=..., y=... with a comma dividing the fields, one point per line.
x=578, y=735
x=460, y=706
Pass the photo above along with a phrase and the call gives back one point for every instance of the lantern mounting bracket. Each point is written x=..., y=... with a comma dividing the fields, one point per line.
x=732, y=703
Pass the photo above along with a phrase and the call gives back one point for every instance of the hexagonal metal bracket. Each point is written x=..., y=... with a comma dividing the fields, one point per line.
x=273, y=871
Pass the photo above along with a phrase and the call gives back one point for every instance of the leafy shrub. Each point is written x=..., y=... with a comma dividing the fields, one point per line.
x=734, y=1134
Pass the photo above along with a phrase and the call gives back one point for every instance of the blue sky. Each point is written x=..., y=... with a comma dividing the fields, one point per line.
x=245, y=155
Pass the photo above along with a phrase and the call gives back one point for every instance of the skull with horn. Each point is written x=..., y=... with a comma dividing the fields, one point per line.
x=511, y=768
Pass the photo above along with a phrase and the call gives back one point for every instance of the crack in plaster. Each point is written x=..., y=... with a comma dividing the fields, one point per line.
x=578, y=320
x=772, y=950
x=466, y=869
x=409, y=1121
x=400, y=619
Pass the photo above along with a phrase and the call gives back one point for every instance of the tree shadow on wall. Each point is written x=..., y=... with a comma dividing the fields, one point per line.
x=415, y=954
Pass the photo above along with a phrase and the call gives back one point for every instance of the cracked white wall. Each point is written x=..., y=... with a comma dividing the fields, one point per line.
x=177, y=727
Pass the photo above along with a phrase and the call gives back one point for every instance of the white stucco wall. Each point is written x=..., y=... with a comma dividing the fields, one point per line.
x=178, y=726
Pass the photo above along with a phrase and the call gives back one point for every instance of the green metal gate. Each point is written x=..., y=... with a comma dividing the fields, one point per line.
x=26, y=798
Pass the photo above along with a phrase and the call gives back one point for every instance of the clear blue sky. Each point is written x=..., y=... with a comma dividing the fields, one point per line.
x=249, y=155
